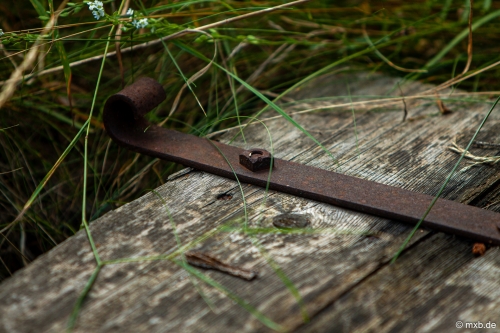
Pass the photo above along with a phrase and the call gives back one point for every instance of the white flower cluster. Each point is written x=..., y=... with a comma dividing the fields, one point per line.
x=138, y=24
x=1, y=33
x=97, y=9
x=142, y=23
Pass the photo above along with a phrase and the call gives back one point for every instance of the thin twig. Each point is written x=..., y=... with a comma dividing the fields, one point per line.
x=469, y=46
x=3, y=173
x=189, y=81
x=6, y=267
x=461, y=77
x=404, y=103
x=254, y=75
x=118, y=37
x=387, y=61
x=368, y=105
x=8, y=55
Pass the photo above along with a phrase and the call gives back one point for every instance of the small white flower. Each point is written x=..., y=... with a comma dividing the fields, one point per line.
x=97, y=9
x=142, y=23
x=130, y=12
x=1, y=33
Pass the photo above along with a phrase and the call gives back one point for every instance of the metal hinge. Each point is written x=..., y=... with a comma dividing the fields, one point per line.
x=124, y=121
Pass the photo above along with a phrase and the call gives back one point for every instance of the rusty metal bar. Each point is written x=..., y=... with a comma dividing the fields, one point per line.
x=124, y=122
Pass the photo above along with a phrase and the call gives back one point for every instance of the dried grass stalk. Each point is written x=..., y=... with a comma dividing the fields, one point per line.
x=476, y=160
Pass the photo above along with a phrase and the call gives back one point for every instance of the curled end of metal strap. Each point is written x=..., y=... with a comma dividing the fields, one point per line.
x=125, y=110
x=140, y=97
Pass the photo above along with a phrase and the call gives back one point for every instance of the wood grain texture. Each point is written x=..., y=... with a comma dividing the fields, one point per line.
x=340, y=266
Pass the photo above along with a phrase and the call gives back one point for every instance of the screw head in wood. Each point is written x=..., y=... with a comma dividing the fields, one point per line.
x=256, y=159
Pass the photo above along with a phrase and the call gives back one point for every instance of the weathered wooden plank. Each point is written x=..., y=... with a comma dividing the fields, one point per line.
x=431, y=288
x=334, y=265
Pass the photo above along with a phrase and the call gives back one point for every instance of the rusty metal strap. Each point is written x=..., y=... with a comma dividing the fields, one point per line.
x=124, y=121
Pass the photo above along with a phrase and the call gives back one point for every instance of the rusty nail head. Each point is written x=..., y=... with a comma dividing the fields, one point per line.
x=256, y=159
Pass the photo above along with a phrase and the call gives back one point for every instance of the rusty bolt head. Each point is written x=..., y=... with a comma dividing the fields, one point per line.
x=256, y=159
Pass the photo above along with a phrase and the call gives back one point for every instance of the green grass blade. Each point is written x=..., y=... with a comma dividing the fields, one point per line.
x=241, y=302
x=245, y=225
x=86, y=145
x=40, y=10
x=458, y=38
x=45, y=179
x=284, y=278
x=258, y=94
x=66, y=69
x=186, y=80
x=452, y=172
x=179, y=246
x=353, y=120
x=81, y=298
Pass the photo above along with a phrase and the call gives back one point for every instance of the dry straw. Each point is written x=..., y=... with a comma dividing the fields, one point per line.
x=476, y=160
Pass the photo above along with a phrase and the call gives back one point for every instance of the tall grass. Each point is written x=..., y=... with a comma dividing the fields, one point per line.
x=220, y=62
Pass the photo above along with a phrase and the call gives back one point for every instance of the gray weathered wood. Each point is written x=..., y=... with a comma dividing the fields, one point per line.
x=341, y=270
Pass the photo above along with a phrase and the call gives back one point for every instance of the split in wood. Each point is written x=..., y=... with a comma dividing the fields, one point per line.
x=486, y=145
x=208, y=261
x=225, y=196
